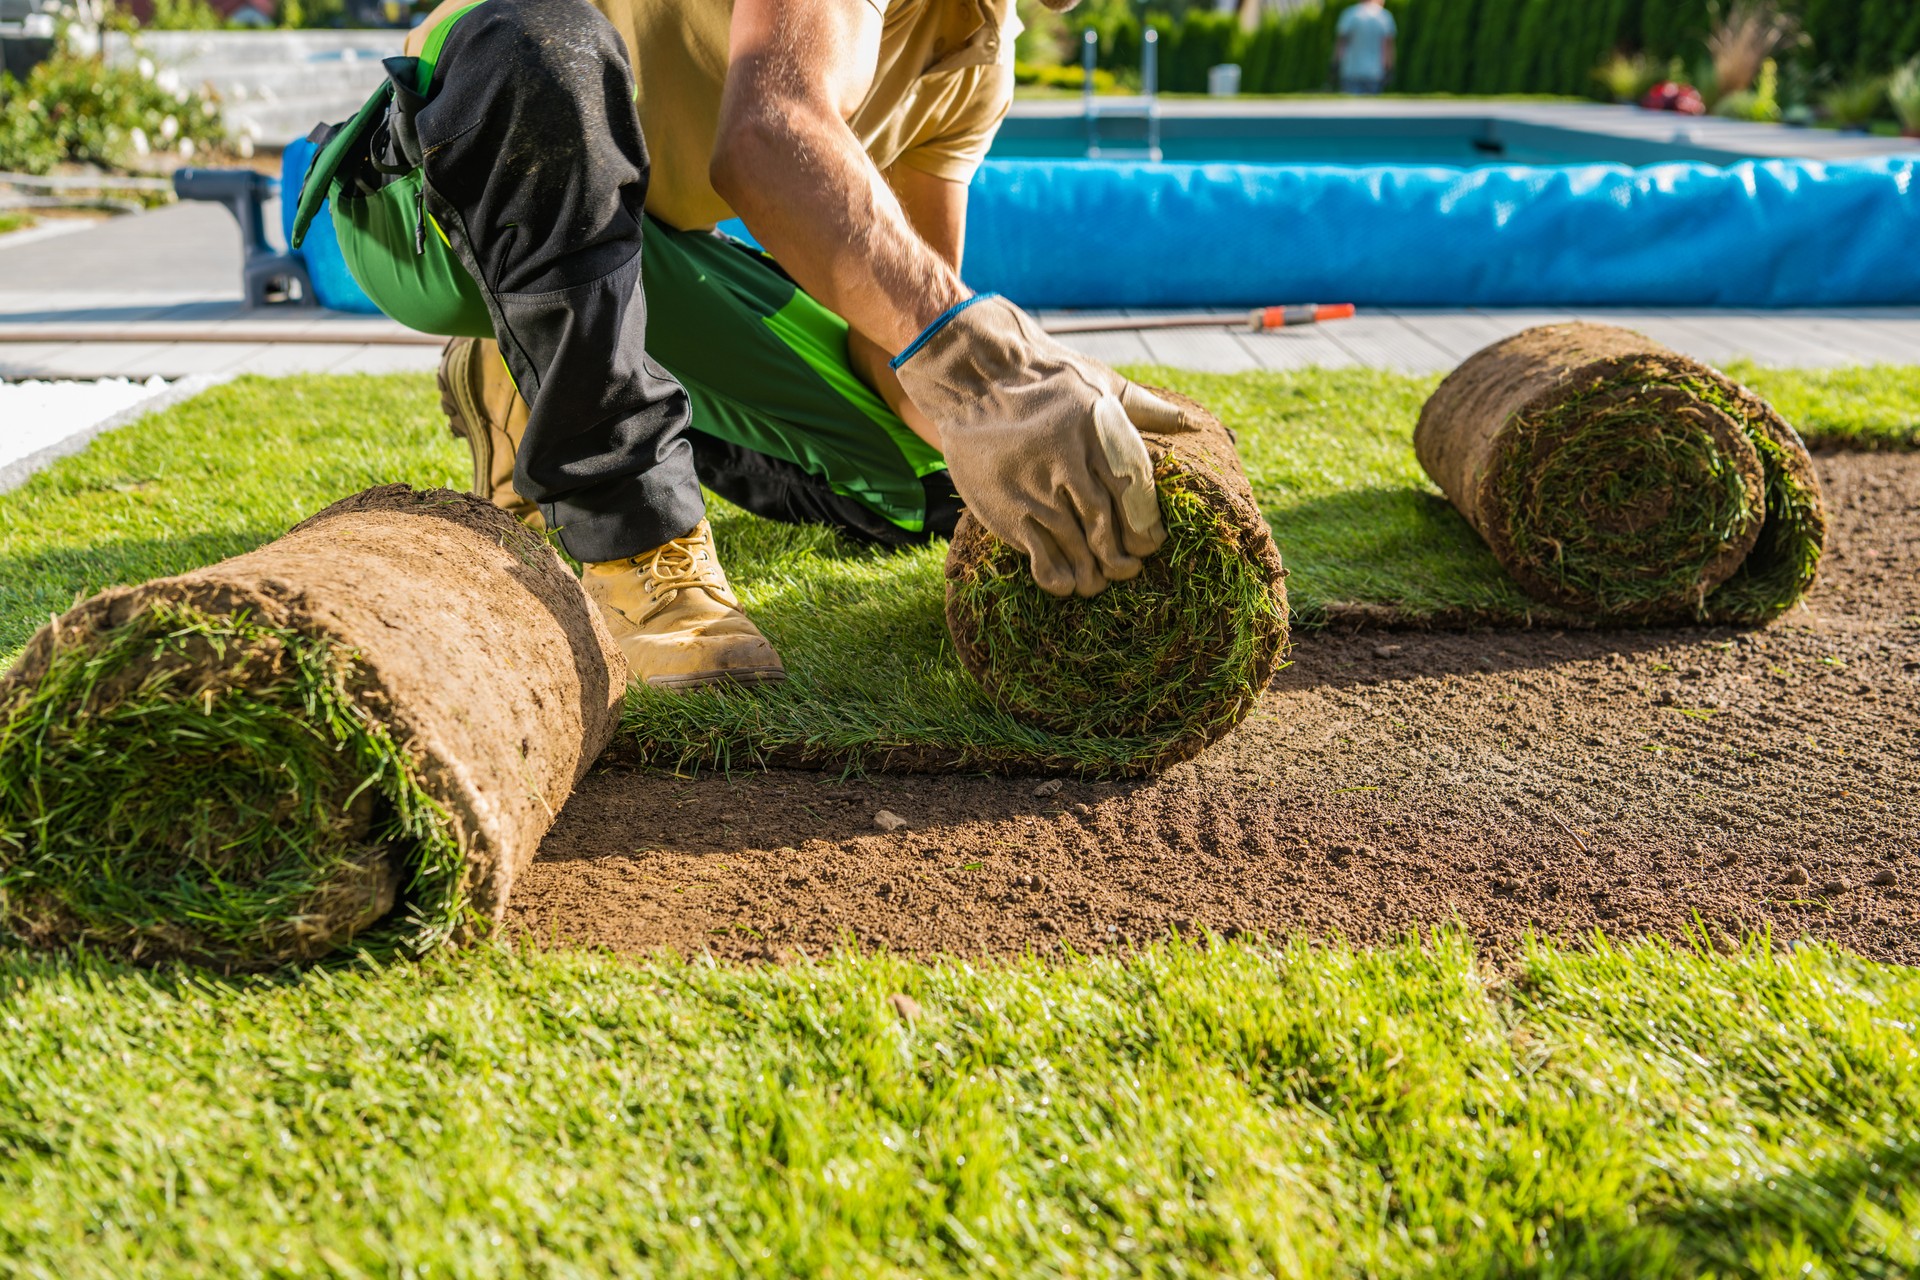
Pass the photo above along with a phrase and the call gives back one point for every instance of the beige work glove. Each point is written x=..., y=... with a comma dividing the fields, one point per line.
x=1043, y=443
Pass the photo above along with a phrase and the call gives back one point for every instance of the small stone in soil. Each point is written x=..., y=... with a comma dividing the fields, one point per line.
x=1385, y=650
x=1833, y=888
x=1795, y=875
x=1886, y=877
x=1051, y=787
x=888, y=820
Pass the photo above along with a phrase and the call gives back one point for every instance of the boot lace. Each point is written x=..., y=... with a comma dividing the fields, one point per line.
x=686, y=561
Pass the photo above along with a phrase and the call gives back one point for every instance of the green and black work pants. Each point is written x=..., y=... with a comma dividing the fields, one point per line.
x=495, y=187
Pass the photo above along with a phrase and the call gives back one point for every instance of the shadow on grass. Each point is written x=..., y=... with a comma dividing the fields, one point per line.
x=1388, y=549
x=1842, y=1211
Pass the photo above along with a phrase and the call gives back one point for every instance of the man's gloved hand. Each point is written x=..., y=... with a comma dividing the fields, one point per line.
x=1043, y=443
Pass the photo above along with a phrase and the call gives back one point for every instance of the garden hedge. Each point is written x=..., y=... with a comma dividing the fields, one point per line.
x=1495, y=46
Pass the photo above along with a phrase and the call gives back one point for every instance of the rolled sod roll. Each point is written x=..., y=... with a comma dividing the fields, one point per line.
x=351, y=737
x=1615, y=478
x=1173, y=659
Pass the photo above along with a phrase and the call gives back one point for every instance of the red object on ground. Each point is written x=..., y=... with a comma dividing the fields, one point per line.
x=1304, y=313
x=1670, y=95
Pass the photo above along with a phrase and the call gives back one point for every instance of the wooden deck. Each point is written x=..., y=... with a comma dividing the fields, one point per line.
x=115, y=291
x=1422, y=342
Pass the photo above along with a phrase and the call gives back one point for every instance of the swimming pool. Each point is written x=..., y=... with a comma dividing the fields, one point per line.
x=1453, y=202
x=1450, y=204
x=1459, y=141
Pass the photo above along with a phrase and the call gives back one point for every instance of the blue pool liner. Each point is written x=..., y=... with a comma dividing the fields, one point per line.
x=1775, y=233
x=1072, y=233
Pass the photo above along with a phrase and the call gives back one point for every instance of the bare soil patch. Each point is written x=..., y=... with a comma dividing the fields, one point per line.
x=1631, y=781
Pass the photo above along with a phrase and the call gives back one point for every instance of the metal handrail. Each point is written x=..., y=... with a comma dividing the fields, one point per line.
x=1146, y=107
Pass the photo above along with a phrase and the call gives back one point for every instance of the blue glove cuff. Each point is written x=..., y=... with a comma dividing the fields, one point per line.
x=926, y=334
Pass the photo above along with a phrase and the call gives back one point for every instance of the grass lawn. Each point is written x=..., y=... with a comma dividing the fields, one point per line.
x=1234, y=1111
x=1329, y=453
x=1228, y=1109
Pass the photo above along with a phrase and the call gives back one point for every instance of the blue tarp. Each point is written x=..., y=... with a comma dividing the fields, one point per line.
x=1775, y=233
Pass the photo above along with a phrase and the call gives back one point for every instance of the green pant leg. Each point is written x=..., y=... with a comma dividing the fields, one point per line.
x=395, y=250
x=767, y=369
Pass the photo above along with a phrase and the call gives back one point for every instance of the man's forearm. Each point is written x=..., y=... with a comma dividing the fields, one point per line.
x=870, y=361
x=798, y=176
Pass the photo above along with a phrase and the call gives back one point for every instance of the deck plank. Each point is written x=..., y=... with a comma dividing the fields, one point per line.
x=1386, y=342
x=1203, y=350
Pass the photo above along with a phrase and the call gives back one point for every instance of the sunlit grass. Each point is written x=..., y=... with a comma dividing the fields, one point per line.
x=1312, y=1111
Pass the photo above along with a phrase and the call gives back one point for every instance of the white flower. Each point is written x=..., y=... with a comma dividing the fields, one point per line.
x=168, y=80
x=145, y=67
x=139, y=140
x=169, y=129
x=186, y=148
x=245, y=147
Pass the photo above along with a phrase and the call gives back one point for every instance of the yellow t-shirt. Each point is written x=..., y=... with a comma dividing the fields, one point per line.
x=942, y=86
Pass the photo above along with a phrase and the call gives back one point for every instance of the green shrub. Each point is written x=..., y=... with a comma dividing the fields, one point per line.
x=1903, y=91
x=1043, y=36
x=1761, y=103
x=1045, y=77
x=1507, y=46
x=184, y=15
x=81, y=110
x=1855, y=103
x=1627, y=77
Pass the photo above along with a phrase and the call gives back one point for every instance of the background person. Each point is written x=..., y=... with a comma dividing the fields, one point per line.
x=1363, y=47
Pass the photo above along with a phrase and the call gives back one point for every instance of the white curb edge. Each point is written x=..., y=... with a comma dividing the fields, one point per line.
x=15, y=473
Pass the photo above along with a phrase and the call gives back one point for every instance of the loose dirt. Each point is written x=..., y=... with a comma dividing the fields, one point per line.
x=1629, y=781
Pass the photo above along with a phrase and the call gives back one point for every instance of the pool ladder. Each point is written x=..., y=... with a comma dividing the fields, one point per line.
x=1144, y=108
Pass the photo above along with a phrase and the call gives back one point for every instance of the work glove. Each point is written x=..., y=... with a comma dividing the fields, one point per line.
x=1042, y=443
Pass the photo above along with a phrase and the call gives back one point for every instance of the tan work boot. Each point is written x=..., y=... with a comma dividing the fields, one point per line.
x=676, y=619
x=483, y=408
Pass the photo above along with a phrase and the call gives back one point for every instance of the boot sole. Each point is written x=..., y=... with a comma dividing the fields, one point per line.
x=718, y=679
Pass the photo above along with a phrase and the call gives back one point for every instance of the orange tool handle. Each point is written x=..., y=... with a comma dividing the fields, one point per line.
x=1264, y=318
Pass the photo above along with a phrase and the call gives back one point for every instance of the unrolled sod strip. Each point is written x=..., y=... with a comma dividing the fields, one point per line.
x=1617, y=479
x=1172, y=659
x=351, y=737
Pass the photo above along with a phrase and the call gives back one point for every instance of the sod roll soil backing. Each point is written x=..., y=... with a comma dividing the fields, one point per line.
x=1174, y=658
x=1616, y=479
x=353, y=736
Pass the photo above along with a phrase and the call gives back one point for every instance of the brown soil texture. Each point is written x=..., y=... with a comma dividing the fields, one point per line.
x=1506, y=782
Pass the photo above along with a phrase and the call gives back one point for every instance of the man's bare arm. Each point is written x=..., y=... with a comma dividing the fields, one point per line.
x=937, y=209
x=788, y=163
